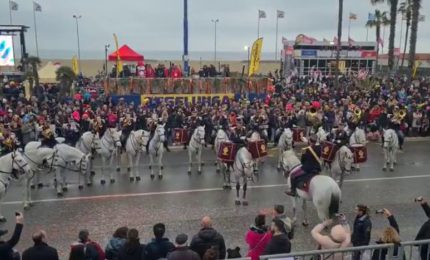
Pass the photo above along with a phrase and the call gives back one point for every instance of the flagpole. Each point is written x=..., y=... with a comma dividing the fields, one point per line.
x=383, y=38
x=258, y=26
x=10, y=12
x=35, y=31
x=276, y=41
x=349, y=26
x=367, y=33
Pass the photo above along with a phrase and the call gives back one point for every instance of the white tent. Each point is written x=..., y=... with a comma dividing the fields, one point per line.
x=47, y=74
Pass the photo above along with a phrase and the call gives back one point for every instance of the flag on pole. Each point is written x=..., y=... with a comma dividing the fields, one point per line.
x=255, y=57
x=37, y=7
x=371, y=17
x=352, y=16
x=118, y=58
x=381, y=42
x=75, y=65
x=280, y=14
x=13, y=6
x=261, y=14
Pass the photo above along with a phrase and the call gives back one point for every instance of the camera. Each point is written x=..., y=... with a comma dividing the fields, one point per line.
x=379, y=211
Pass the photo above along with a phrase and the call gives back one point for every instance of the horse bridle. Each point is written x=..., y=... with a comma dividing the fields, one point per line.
x=135, y=141
x=14, y=162
x=389, y=141
x=69, y=169
x=200, y=139
x=111, y=142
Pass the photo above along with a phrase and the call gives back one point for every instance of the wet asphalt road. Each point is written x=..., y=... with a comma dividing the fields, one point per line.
x=180, y=200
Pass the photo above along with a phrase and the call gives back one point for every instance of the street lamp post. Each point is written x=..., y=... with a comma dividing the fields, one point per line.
x=246, y=48
x=215, y=21
x=77, y=17
x=106, y=58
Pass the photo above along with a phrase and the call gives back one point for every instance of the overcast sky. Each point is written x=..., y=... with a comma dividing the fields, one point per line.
x=156, y=25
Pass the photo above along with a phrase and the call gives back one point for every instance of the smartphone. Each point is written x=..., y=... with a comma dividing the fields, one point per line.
x=379, y=211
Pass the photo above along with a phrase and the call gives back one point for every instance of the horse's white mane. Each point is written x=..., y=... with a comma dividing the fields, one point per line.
x=290, y=158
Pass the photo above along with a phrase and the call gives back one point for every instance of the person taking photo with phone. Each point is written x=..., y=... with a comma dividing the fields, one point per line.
x=6, y=247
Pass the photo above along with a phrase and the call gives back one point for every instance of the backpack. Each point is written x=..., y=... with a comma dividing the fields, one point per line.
x=90, y=253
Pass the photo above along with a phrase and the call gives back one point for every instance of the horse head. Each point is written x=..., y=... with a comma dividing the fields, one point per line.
x=346, y=158
x=321, y=135
x=199, y=134
x=160, y=131
x=95, y=142
x=388, y=138
x=288, y=138
x=115, y=136
x=289, y=161
x=19, y=165
x=143, y=138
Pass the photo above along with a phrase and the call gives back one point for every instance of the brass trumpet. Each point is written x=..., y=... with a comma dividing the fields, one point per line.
x=400, y=114
x=356, y=116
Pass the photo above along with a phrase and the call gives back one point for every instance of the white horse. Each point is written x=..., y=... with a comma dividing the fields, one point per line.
x=285, y=143
x=321, y=135
x=391, y=146
x=195, y=148
x=342, y=164
x=89, y=143
x=156, y=149
x=39, y=159
x=12, y=167
x=323, y=191
x=255, y=136
x=109, y=144
x=71, y=159
x=358, y=137
x=134, y=146
x=222, y=137
x=243, y=171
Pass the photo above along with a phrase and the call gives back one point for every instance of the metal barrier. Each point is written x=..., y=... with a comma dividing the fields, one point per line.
x=142, y=86
x=412, y=250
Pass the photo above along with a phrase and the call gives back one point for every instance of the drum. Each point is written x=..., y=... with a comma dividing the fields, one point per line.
x=328, y=151
x=258, y=149
x=298, y=133
x=180, y=136
x=227, y=152
x=360, y=153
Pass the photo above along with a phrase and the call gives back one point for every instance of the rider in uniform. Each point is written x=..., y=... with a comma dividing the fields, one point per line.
x=238, y=135
x=152, y=126
x=311, y=165
x=47, y=137
x=127, y=125
x=192, y=123
x=9, y=144
x=99, y=126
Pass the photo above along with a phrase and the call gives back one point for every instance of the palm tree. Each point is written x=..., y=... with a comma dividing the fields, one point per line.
x=380, y=20
x=406, y=10
x=393, y=19
x=32, y=75
x=339, y=43
x=415, y=10
x=66, y=76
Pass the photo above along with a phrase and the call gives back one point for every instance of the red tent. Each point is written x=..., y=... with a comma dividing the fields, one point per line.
x=126, y=54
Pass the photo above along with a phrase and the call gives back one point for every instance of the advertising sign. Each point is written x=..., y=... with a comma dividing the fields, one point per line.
x=188, y=99
x=6, y=51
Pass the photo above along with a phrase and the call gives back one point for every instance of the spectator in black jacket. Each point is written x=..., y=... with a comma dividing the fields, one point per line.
x=6, y=247
x=40, y=250
x=362, y=229
x=207, y=238
x=279, y=244
x=160, y=246
x=132, y=249
x=182, y=251
x=389, y=236
x=424, y=232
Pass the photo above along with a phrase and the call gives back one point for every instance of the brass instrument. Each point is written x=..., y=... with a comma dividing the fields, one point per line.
x=399, y=114
x=312, y=116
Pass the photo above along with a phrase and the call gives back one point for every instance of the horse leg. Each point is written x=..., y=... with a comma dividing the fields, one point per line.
x=279, y=160
x=384, y=168
x=37, y=180
x=160, y=165
x=190, y=159
x=237, y=202
x=102, y=170
x=341, y=178
x=90, y=174
x=117, y=154
x=305, y=213
x=130, y=167
x=111, y=177
x=58, y=182
x=199, y=170
x=136, y=166
x=245, y=185
x=2, y=194
x=151, y=165
x=27, y=191
x=294, y=202
x=392, y=159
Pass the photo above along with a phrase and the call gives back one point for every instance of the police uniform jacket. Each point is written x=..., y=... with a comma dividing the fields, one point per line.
x=310, y=164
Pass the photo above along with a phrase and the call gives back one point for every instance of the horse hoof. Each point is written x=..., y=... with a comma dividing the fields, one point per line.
x=150, y=167
x=65, y=189
x=189, y=172
x=93, y=173
x=162, y=168
x=203, y=163
x=89, y=184
x=112, y=180
x=138, y=178
x=384, y=169
x=278, y=168
x=118, y=169
x=391, y=170
x=245, y=203
x=3, y=220
x=59, y=194
x=218, y=170
x=152, y=176
x=131, y=179
x=32, y=186
x=102, y=182
x=237, y=202
x=305, y=223
x=81, y=187
x=215, y=163
x=40, y=185
x=128, y=169
x=199, y=172
x=160, y=177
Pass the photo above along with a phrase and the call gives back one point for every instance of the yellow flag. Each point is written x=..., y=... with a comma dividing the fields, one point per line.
x=255, y=57
x=118, y=58
x=416, y=65
x=75, y=65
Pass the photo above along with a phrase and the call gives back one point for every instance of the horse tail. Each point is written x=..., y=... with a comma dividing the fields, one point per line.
x=333, y=208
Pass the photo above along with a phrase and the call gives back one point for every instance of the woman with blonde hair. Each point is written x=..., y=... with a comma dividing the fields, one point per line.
x=390, y=235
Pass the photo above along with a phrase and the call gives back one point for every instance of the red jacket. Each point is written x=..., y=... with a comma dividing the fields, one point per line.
x=257, y=242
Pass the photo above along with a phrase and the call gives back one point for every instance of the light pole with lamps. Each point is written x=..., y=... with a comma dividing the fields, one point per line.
x=246, y=48
x=215, y=21
x=77, y=17
x=106, y=58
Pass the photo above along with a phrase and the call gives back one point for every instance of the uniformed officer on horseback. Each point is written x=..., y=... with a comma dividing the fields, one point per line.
x=127, y=125
x=152, y=126
x=239, y=133
x=9, y=144
x=99, y=126
x=311, y=165
x=47, y=137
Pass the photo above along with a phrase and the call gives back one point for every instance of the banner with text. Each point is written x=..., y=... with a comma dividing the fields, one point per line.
x=188, y=99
